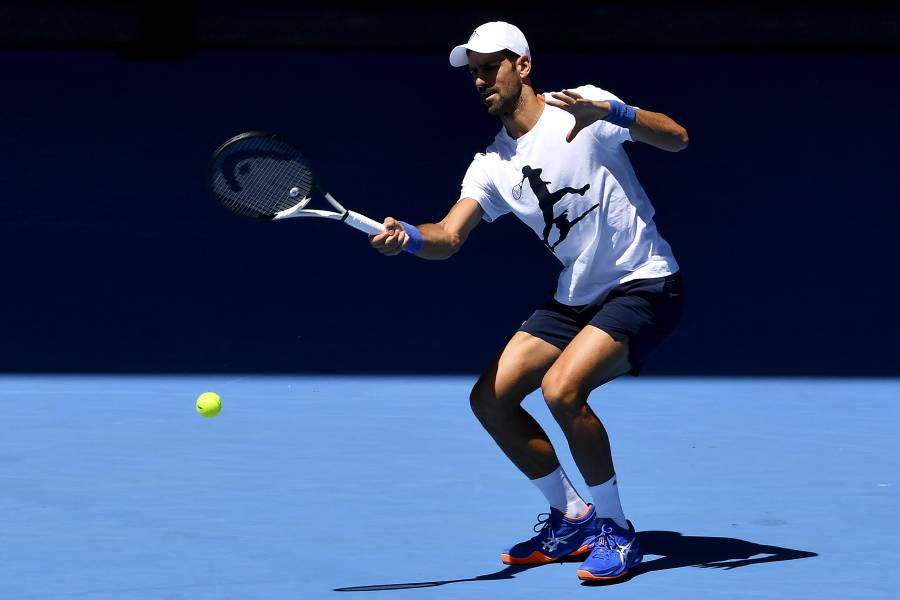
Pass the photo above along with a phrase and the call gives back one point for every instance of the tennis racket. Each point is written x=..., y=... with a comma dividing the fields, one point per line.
x=260, y=175
x=517, y=189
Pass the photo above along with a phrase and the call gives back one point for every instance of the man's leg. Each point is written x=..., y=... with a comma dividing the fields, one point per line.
x=497, y=398
x=591, y=359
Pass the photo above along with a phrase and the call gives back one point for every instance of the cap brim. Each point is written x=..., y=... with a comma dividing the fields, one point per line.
x=459, y=56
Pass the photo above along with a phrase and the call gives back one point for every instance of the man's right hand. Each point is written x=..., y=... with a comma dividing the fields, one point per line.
x=393, y=240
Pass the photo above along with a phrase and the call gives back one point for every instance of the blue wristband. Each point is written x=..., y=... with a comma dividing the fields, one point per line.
x=620, y=114
x=415, y=238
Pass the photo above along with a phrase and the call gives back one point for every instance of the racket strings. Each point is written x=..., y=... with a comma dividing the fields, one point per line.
x=267, y=186
x=259, y=176
x=268, y=191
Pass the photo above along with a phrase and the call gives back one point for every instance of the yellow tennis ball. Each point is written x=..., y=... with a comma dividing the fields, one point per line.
x=209, y=404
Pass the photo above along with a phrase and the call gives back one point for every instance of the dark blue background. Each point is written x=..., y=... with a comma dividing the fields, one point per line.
x=782, y=213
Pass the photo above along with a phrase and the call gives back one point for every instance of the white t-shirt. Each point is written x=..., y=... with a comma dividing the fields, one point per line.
x=582, y=199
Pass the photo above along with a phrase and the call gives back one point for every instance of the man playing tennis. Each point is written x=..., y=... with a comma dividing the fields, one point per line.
x=559, y=164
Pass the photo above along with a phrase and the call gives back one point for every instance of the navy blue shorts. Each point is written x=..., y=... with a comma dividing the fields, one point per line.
x=641, y=312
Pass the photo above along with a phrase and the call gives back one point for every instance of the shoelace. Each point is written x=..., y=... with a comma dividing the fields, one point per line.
x=544, y=533
x=543, y=523
x=603, y=544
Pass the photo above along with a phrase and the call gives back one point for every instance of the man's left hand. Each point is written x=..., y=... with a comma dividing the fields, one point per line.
x=585, y=111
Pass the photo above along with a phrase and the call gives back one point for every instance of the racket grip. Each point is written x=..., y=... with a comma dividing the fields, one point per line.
x=362, y=222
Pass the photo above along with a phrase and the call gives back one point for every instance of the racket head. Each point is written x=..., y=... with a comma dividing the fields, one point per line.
x=258, y=174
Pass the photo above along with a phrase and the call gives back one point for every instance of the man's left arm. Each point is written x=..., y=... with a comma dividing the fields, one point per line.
x=656, y=129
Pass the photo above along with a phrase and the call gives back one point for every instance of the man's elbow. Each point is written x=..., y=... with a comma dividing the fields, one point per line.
x=454, y=243
x=680, y=139
x=683, y=136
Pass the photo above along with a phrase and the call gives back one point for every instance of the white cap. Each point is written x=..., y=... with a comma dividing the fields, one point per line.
x=491, y=37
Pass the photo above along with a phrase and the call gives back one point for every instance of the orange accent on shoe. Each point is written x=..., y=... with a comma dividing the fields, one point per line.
x=535, y=558
x=539, y=558
x=588, y=576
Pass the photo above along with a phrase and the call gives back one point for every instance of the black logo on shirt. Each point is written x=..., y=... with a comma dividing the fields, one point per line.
x=547, y=200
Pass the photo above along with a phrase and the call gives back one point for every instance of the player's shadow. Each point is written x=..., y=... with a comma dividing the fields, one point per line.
x=673, y=549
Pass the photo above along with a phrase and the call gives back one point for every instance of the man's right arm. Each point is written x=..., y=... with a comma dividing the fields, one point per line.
x=439, y=240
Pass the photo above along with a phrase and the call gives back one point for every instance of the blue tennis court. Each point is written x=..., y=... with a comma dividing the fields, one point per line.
x=326, y=487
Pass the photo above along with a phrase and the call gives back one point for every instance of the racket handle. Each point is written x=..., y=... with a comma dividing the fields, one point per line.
x=362, y=222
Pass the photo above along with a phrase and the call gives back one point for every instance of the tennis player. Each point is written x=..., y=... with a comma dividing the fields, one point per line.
x=559, y=165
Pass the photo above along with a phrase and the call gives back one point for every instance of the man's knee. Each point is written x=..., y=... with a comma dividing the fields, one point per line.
x=488, y=403
x=482, y=399
x=564, y=397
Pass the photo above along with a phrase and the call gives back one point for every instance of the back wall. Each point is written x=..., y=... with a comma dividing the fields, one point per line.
x=782, y=213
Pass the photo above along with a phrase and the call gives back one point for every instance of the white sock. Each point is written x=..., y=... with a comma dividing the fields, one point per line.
x=559, y=492
x=607, y=503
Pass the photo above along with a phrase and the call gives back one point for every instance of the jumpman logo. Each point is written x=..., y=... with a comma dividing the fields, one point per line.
x=547, y=200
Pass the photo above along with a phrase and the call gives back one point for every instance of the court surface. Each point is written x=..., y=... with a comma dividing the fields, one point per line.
x=343, y=487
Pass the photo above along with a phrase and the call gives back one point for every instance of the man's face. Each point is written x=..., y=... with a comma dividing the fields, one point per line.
x=498, y=82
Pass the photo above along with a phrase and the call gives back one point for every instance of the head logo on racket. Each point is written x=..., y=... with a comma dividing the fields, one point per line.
x=258, y=174
x=239, y=164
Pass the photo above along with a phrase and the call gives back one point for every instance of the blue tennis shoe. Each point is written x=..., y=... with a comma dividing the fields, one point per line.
x=558, y=537
x=615, y=551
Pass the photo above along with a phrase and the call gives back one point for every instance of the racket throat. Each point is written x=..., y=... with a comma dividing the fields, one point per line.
x=335, y=204
x=343, y=211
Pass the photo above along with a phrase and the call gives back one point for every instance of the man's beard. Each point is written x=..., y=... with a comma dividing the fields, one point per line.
x=507, y=107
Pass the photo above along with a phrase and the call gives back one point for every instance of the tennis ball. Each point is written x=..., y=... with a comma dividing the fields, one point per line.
x=209, y=404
